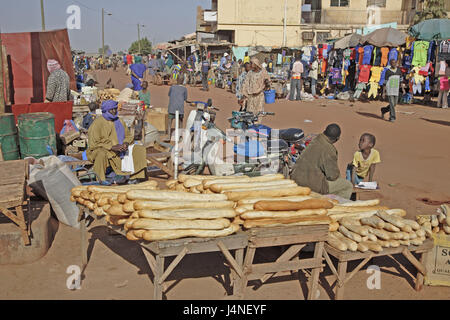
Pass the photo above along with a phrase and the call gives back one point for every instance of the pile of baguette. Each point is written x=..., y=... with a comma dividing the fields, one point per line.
x=438, y=223
x=150, y=214
x=373, y=230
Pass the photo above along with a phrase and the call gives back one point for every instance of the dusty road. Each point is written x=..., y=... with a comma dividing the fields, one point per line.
x=415, y=157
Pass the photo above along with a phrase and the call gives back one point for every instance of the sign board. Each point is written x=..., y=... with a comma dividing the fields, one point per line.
x=438, y=262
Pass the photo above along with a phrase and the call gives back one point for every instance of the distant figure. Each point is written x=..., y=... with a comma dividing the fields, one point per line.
x=246, y=58
x=58, y=83
x=177, y=96
x=205, y=69
x=392, y=77
x=144, y=94
x=137, y=75
x=296, y=79
x=90, y=117
x=256, y=81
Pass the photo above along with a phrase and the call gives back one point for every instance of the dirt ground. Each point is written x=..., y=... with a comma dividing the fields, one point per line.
x=415, y=164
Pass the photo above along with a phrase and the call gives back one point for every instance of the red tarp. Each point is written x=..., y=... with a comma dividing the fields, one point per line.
x=61, y=110
x=27, y=55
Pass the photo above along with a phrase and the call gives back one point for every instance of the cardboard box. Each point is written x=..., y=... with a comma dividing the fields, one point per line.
x=438, y=262
x=158, y=119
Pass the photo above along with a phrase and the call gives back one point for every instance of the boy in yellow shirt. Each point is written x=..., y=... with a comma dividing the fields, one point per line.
x=364, y=160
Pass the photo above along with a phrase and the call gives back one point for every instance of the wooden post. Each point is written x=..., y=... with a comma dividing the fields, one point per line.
x=6, y=80
x=2, y=88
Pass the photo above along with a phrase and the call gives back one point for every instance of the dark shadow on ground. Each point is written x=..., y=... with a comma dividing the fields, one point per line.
x=369, y=115
x=441, y=122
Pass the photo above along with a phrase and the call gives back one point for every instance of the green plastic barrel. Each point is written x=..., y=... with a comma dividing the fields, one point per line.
x=36, y=132
x=8, y=137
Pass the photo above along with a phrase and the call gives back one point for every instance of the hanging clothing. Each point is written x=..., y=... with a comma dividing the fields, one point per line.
x=407, y=59
x=359, y=89
x=444, y=50
x=336, y=76
x=417, y=87
x=427, y=84
x=431, y=51
x=361, y=55
x=373, y=91
x=356, y=53
x=377, y=57
x=367, y=54
x=351, y=72
x=417, y=77
x=384, y=56
x=364, y=73
x=420, y=53
x=383, y=76
x=347, y=54
x=393, y=55
x=375, y=74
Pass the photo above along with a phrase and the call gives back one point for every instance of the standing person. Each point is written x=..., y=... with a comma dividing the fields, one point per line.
x=169, y=63
x=177, y=96
x=392, y=77
x=270, y=64
x=296, y=79
x=313, y=75
x=246, y=58
x=58, y=83
x=235, y=69
x=205, y=70
x=124, y=60
x=129, y=59
x=152, y=69
x=137, y=75
x=144, y=94
x=265, y=63
x=256, y=81
x=317, y=166
x=444, y=74
x=240, y=82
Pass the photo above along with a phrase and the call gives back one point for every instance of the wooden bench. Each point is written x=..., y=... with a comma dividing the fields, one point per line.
x=296, y=237
x=157, y=251
x=343, y=257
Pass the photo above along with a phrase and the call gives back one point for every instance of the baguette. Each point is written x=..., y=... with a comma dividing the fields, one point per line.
x=361, y=230
x=435, y=229
x=350, y=221
x=416, y=242
x=301, y=221
x=189, y=183
x=396, y=212
x=396, y=235
x=292, y=206
x=434, y=221
x=172, y=196
x=176, y=224
x=405, y=242
x=128, y=207
x=182, y=214
x=362, y=247
x=373, y=221
x=390, y=227
x=336, y=243
x=200, y=188
x=88, y=204
x=295, y=191
x=167, y=205
x=155, y=235
x=407, y=228
x=171, y=183
x=183, y=177
x=413, y=224
x=351, y=245
x=384, y=243
x=76, y=191
x=373, y=246
x=130, y=236
x=372, y=237
x=116, y=210
x=129, y=224
x=118, y=220
x=339, y=208
x=384, y=235
x=244, y=208
x=412, y=235
x=149, y=185
x=355, y=215
x=394, y=243
x=257, y=199
x=99, y=212
x=361, y=203
x=391, y=219
x=420, y=233
x=122, y=198
x=264, y=178
x=85, y=195
x=282, y=214
x=104, y=200
x=334, y=226
x=219, y=187
x=261, y=188
x=349, y=234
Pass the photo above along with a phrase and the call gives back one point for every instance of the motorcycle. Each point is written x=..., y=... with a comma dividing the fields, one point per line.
x=254, y=150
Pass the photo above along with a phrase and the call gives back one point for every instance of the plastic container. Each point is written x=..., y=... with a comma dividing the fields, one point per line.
x=269, y=96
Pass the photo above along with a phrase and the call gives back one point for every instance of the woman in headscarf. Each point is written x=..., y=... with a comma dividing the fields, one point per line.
x=137, y=75
x=58, y=83
x=109, y=139
x=256, y=81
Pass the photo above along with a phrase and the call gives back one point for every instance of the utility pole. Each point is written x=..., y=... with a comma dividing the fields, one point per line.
x=103, y=32
x=139, y=37
x=2, y=87
x=42, y=15
x=284, y=23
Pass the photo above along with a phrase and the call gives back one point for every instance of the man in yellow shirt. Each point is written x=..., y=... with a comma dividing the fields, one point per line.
x=364, y=160
x=246, y=58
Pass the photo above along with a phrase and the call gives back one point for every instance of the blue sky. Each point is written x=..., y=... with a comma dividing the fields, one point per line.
x=164, y=19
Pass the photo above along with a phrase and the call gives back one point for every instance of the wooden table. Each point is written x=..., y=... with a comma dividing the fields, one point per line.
x=358, y=191
x=296, y=237
x=157, y=251
x=13, y=195
x=344, y=257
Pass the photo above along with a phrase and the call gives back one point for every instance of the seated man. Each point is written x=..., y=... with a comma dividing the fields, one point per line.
x=317, y=167
x=109, y=139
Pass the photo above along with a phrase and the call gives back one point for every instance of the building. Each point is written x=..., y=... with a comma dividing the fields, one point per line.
x=294, y=23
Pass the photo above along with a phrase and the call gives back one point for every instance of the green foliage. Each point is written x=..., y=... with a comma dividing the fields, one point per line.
x=146, y=46
x=106, y=49
x=432, y=9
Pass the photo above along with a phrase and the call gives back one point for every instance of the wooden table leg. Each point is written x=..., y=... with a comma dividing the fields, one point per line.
x=248, y=261
x=83, y=234
x=239, y=257
x=159, y=271
x=342, y=271
x=420, y=277
x=314, y=280
x=23, y=227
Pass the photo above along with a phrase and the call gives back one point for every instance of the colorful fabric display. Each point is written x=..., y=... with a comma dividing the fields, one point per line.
x=393, y=55
x=384, y=57
x=364, y=72
x=375, y=74
x=373, y=91
x=420, y=53
x=367, y=51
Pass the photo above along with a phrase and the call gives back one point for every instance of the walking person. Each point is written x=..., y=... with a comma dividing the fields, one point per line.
x=205, y=69
x=256, y=81
x=178, y=95
x=392, y=77
x=58, y=83
x=239, y=84
x=444, y=84
x=296, y=79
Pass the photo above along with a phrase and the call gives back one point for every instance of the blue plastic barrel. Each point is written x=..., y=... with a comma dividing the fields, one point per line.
x=269, y=95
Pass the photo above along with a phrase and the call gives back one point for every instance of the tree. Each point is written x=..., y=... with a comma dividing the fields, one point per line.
x=432, y=9
x=146, y=46
x=100, y=51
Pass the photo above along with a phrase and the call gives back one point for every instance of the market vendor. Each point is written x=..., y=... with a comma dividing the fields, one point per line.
x=58, y=83
x=317, y=166
x=109, y=143
x=256, y=81
x=137, y=75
